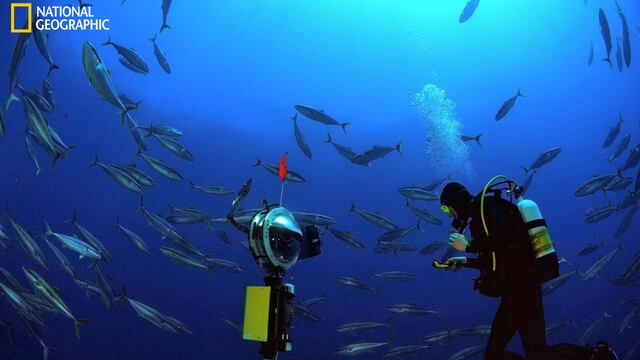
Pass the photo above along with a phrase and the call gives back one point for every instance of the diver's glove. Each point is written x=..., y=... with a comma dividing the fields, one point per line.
x=458, y=241
x=456, y=263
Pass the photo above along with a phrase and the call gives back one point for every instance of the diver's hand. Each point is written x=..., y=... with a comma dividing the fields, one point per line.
x=458, y=241
x=456, y=263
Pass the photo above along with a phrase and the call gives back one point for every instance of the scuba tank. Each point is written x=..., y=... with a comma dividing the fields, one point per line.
x=546, y=264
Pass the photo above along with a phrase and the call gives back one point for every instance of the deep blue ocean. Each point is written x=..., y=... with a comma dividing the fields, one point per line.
x=238, y=69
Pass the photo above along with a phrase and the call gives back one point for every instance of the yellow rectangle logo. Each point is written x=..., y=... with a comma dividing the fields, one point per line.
x=13, y=17
x=256, y=313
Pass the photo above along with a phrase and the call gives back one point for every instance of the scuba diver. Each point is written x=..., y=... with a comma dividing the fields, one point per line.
x=515, y=256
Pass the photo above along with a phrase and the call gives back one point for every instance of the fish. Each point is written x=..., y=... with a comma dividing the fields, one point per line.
x=613, y=132
x=26, y=241
x=130, y=66
x=626, y=220
x=211, y=189
x=392, y=247
x=590, y=58
x=376, y=152
x=13, y=282
x=304, y=312
x=16, y=58
x=120, y=177
x=302, y=144
x=354, y=327
x=433, y=247
x=591, y=329
x=66, y=264
x=166, y=5
x=231, y=324
x=347, y=237
x=345, y=151
x=606, y=35
x=241, y=216
x=160, y=56
x=617, y=184
x=589, y=248
x=556, y=283
x=224, y=264
x=594, y=184
x=466, y=138
x=133, y=237
x=178, y=257
x=41, y=38
x=163, y=130
x=473, y=330
x=73, y=243
x=35, y=333
x=188, y=215
x=406, y=349
x=436, y=183
x=423, y=214
x=418, y=193
x=108, y=296
x=507, y=105
x=374, y=217
x=631, y=354
x=526, y=183
x=308, y=218
x=32, y=154
x=158, y=319
x=173, y=145
x=48, y=93
x=629, y=274
x=60, y=151
x=632, y=161
x=631, y=199
x=320, y=116
x=128, y=102
x=157, y=223
x=594, y=210
x=393, y=235
x=38, y=99
x=292, y=176
x=90, y=238
x=313, y=301
x=100, y=78
x=599, y=265
x=468, y=352
x=555, y=328
x=626, y=43
x=48, y=292
x=437, y=336
x=221, y=234
x=360, y=348
x=412, y=309
x=395, y=276
x=20, y=304
x=138, y=175
x=130, y=56
x=619, y=55
x=349, y=281
x=161, y=167
x=543, y=159
x=133, y=129
x=88, y=286
x=39, y=126
x=622, y=146
x=242, y=194
x=3, y=129
x=468, y=10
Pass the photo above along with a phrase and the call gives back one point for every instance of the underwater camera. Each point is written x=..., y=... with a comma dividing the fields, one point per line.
x=276, y=242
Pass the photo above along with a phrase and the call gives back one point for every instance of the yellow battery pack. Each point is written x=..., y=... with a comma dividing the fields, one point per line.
x=256, y=313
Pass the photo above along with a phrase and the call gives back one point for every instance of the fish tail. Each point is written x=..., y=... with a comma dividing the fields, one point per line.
x=153, y=39
x=108, y=42
x=328, y=141
x=125, y=112
x=51, y=68
x=352, y=208
x=608, y=60
x=7, y=211
x=418, y=227
x=123, y=296
x=620, y=246
x=344, y=126
x=164, y=26
x=399, y=147
x=73, y=218
x=117, y=223
x=96, y=161
x=520, y=93
x=258, y=162
x=294, y=117
x=77, y=324
x=191, y=185
x=141, y=207
x=526, y=170
x=477, y=139
x=12, y=98
x=47, y=229
x=406, y=203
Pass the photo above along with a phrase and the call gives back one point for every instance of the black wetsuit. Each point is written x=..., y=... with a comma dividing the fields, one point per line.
x=514, y=280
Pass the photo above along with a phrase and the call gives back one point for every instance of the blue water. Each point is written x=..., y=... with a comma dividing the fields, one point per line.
x=239, y=67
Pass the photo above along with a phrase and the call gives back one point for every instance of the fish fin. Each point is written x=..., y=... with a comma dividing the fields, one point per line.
x=73, y=219
x=352, y=208
x=96, y=160
x=12, y=98
x=608, y=60
x=108, y=42
x=606, y=314
x=344, y=127
x=191, y=185
x=328, y=141
x=153, y=39
x=477, y=139
x=124, y=113
x=47, y=229
x=520, y=93
x=51, y=68
x=117, y=223
x=399, y=148
x=164, y=26
x=77, y=323
x=258, y=162
x=406, y=204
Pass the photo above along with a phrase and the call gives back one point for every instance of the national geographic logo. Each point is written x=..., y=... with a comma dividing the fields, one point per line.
x=55, y=18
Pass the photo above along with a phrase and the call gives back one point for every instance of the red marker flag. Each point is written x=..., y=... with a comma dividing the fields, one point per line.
x=282, y=168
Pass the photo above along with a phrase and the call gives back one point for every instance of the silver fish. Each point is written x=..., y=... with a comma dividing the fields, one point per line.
x=606, y=35
x=302, y=144
x=406, y=349
x=292, y=176
x=468, y=352
x=418, y=193
x=90, y=238
x=320, y=116
x=355, y=283
x=468, y=10
x=158, y=319
x=376, y=152
x=345, y=151
x=211, y=189
x=590, y=58
x=224, y=264
x=556, y=283
x=347, y=237
x=622, y=146
x=599, y=265
x=625, y=35
x=138, y=175
x=133, y=237
x=41, y=38
x=594, y=326
x=161, y=167
x=395, y=276
x=66, y=264
x=544, y=158
x=173, y=145
x=166, y=5
x=466, y=138
x=48, y=93
x=27, y=242
x=626, y=220
x=307, y=218
x=555, y=328
x=129, y=56
x=120, y=177
x=73, y=243
x=589, y=248
x=32, y=154
x=627, y=320
x=412, y=309
x=374, y=218
x=160, y=56
x=360, y=348
x=613, y=132
x=423, y=214
x=507, y=105
x=594, y=184
x=354, y=327
x=108, y=296
x=433, y=247
x=632, y=161
x=16, y=58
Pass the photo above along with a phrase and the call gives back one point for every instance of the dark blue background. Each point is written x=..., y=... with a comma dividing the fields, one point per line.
x=238, y=69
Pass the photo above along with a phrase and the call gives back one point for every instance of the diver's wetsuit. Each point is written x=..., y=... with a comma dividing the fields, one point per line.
x=521, y=306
